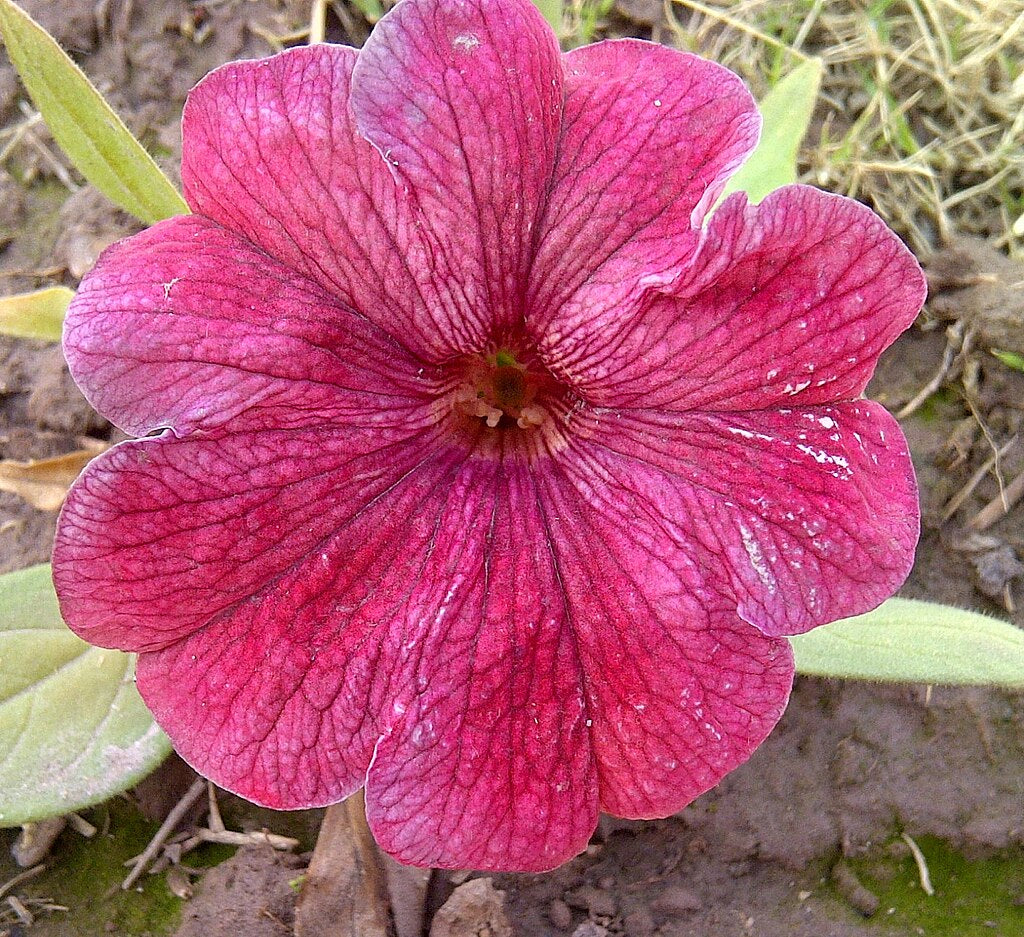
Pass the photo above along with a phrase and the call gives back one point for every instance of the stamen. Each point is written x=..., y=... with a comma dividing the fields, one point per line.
x=530, y=417
x=501, y=392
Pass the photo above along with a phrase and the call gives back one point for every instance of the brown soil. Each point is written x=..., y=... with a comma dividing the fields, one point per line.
x=849, y=767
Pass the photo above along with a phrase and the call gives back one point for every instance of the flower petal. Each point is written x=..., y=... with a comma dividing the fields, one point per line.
x=679, y=690
x=159, y=536
x=787, y=303
x=283, y=694
x=650, y=136
x=464, y=99
x=270, y=150
x=793, y=517
x=188, y=326
x=490, y=765
x=426, y=627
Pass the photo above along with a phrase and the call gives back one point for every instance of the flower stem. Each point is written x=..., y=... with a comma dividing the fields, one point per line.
x=345, y=891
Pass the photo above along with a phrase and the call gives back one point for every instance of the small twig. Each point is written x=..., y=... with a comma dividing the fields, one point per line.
x=166, y=828
x=17, y=134
x=999, y=506
x=13, y=883
x=953, y=345
x=318, y=23
x=23, y=914
x=256, y=838
x=82, y=826
x=922, y=866
x=56, y=166
x=964, y=493
x=215, y=821
x=276, y=41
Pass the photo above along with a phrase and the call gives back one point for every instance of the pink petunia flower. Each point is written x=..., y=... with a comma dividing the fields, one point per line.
x=481, y=468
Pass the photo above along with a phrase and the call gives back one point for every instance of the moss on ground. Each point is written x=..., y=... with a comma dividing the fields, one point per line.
x=85, y=875
x=973, y=898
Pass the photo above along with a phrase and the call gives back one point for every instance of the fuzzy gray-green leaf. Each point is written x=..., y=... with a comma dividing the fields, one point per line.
x=908, y=641
x=73, y=729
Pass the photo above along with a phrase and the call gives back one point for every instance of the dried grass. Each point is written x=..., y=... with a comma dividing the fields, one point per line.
x=921, y=112
x=922, y=107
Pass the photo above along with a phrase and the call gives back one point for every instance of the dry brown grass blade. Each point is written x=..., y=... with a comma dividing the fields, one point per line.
x=44, y=483
x=921, y=111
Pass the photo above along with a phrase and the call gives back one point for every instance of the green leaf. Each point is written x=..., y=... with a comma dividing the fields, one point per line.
x=73, y=729
x=551, y=10
x=83, y=124
x=1010, y=358
x=786, y=111
x=907, y=641
x=372, y=10
x=35, y=315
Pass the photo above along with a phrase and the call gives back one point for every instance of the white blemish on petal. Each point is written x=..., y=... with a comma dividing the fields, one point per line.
x=747, y=434
x=657, y=102
x=824, y=458
x=827, y=422
x=757, y=561
x=795, y=389
x=423, y=734
x=446, y=603
x=812, y=528
x=465, y=42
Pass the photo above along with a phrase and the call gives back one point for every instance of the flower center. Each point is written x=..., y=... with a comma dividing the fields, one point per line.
x=501, y=392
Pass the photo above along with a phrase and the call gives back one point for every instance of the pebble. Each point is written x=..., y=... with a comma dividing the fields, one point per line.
x=596, y=902
x=559, y=914
x=590, y=929
x=639, y=924
x=676, y=898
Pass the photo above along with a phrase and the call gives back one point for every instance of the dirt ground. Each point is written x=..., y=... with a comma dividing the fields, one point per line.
x=850, y=768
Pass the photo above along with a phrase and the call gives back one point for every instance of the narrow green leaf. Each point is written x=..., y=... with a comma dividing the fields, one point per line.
x=786, y=111
x=551, y=10
x=1010, y=358
x=73, y=729
x=907, y=641
x=83, y=124
x=372, y=10
x=35, y=315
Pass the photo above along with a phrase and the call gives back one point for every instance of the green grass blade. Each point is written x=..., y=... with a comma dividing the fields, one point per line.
x=786, y=111
x=94, y=138
x=35, y=315
x=907, y=641
x=1010, y=358
x=551, y=10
